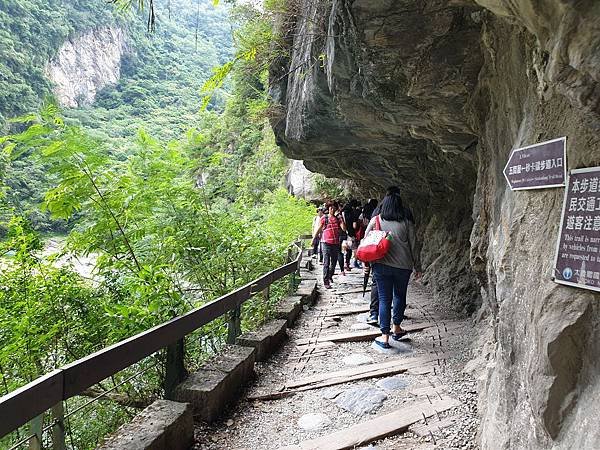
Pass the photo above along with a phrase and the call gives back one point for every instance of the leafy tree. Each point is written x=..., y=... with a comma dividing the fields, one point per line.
x=169, y=223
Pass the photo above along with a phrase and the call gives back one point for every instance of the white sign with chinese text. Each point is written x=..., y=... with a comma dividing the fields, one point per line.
x=577, y=261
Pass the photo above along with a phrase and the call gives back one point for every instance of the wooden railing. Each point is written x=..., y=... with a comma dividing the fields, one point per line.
x=49, y=391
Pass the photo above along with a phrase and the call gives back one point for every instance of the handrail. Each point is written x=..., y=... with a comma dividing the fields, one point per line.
x=33, y=399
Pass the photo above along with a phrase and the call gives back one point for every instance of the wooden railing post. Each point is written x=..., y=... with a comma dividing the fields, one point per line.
x=58, y=429
x=234, y=326
x=300, y=250
x=288, y=260
x=175, y=371
x=35, y=429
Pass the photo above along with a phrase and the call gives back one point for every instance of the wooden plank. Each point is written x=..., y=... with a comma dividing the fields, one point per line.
x=378, y=428
x=362, y=376
x=432, y=425
x=429, y=391
x=348, y=311
x=29, y=401
x=404, y=363
x=420, y=366
x=363, y=335
x=334, y=382
x=315, y=344
x=270, y=396
x=353, y=291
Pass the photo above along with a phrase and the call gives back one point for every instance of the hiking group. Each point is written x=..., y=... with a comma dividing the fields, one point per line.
x=385, y=231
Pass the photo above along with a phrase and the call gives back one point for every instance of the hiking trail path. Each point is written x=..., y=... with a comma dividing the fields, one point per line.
x=330, y=387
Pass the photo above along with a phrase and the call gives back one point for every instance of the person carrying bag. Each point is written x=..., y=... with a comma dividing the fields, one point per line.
x=391, y=242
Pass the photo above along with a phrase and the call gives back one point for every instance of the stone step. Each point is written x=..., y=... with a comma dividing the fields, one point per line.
x=218, y=382
x=307, y=274
x=289, y=309
x=164, y=425
x=266, y=340
x=308, y=291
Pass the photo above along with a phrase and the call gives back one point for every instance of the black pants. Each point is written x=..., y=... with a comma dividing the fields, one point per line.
x=330, y=256
x=317, y=248
x=347, y=257
x=340, y=258
x=374, y=308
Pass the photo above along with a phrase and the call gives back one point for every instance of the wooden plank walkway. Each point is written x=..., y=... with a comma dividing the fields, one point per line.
x=311, y=372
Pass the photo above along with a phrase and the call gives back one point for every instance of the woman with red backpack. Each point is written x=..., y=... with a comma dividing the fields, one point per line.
x=392, y=272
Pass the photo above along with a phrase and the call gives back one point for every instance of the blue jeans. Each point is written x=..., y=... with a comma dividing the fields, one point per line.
x=391, y=283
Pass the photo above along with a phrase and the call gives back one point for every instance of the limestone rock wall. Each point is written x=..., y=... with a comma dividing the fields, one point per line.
x=86, y=64
x=300, y=181
x=543, y=373
x=432, y=96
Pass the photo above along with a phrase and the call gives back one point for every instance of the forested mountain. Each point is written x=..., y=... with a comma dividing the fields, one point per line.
x=160, y=74
x=189, y=39
x=31, y=32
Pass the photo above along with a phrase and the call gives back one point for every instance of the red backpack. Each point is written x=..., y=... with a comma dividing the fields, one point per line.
x=375, y=245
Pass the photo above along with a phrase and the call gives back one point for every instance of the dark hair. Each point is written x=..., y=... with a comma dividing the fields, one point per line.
x=332, y=203
x=369, y=208
x=392, y=190
x=391, y=207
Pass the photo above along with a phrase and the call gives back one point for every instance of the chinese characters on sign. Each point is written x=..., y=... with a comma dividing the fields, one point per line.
x=578, y=249
x=537, y=166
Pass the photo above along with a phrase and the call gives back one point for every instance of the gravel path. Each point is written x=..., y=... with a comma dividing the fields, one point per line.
x=272, y=424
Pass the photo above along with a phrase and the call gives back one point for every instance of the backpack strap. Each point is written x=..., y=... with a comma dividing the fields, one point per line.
x=377, y=223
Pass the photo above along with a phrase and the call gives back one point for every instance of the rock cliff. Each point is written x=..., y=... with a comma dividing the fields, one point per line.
x=300, y=182
x=86, y=64
x=432, y=96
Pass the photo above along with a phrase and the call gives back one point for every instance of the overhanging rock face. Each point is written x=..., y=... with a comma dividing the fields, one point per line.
x=432, y=96
x=376, y=91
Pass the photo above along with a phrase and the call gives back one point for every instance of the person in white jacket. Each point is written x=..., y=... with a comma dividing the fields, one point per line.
x=317, y=238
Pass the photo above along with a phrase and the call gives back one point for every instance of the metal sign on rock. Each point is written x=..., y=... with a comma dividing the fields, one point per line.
x=538, y=166
x=577, y=261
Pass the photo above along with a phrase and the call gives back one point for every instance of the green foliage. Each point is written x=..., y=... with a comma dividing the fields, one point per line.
x=44, y=311
x=257, y=46
x=168, y=223
x=330, y=188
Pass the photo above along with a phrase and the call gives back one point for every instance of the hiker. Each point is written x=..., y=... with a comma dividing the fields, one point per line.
x=351, y=221
x=331, y=225
x=363, y=216
x=345, y=250
x=370, y=208
x=392, y=272
x=317, y=237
